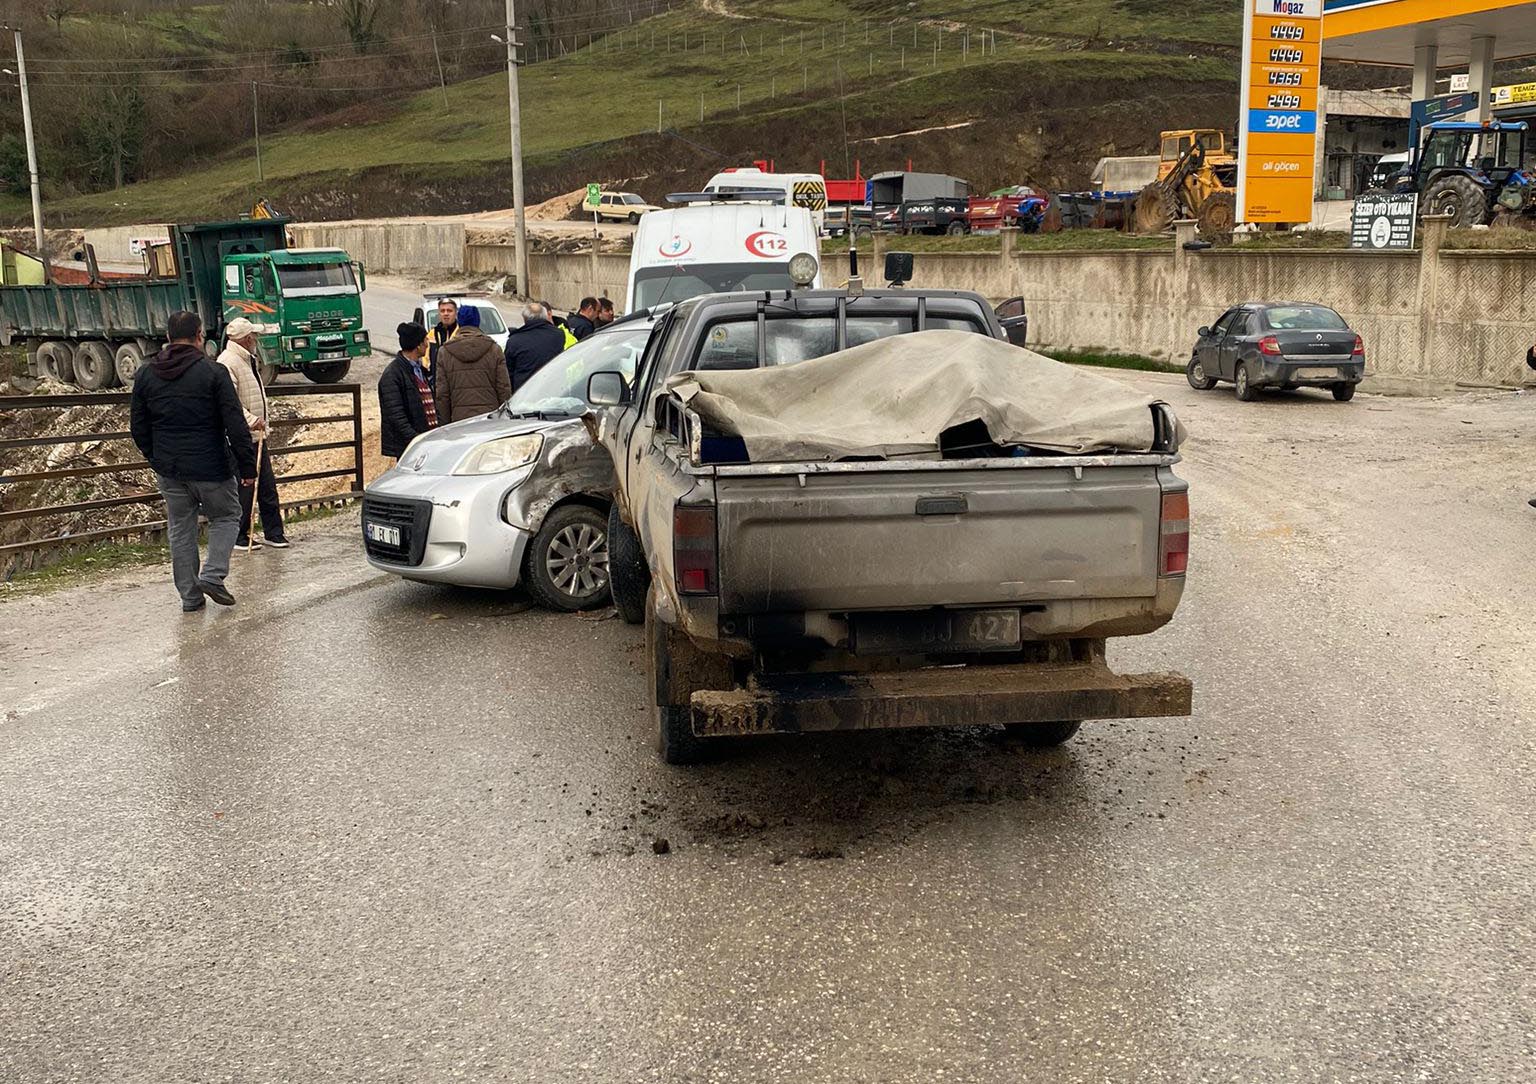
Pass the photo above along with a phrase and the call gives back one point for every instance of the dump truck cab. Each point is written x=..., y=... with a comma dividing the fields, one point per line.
x=306, y=303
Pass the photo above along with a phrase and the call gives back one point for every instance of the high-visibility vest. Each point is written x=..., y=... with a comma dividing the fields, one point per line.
x=570, y=339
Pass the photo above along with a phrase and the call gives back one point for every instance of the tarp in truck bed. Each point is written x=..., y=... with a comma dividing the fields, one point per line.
x=894, y=396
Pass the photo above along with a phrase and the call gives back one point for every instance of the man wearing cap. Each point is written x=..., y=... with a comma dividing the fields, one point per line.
x=406, y=405
x=241, y=358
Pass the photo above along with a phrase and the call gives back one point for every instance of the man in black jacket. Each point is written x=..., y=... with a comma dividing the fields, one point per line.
x=583, y=321
x=531, y=346
x=187, y=420
x=406, y=409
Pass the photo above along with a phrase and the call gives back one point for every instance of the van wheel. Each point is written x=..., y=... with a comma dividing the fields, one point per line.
x=629, y=578
x=1043, y=735
x=566, y=566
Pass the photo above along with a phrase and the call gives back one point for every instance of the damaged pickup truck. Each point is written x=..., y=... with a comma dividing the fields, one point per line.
x=842, y=510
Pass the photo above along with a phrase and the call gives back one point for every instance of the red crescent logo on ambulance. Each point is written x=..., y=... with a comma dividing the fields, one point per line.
x=675, y=246
x=768, y=245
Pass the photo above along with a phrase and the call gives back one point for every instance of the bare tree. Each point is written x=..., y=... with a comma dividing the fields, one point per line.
x=358, y=18
x=56, y=11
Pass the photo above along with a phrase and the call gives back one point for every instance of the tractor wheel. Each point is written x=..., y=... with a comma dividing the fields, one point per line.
x=57, y=361
x=1460, y=197
x=93, y=366
x=1218, y=215
x=1155, y=209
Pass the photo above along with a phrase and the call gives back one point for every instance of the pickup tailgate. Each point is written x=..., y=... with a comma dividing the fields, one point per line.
x=870, y=537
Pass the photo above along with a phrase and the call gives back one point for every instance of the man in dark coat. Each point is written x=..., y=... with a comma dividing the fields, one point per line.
x=186, y=419
x=471, y=372
x=583, y=321
x=406, y=407
x=531, y=346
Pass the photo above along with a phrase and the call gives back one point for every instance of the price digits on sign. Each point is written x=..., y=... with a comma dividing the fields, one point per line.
x=1287, y=32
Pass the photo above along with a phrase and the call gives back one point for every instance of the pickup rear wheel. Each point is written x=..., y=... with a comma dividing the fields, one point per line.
x=628, y=576
x=676, y=742
x=1043, y=735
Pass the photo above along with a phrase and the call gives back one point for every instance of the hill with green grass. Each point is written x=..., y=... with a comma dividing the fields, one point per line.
x=1024, y=91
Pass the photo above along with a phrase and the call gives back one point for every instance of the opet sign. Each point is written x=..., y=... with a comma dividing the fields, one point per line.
x=1277, y=127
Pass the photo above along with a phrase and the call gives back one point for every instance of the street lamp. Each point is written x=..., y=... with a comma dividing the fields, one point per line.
x=520, y=224
x=26, y=121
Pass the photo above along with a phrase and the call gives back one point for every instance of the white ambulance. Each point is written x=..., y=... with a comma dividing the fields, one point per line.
x=709, y=248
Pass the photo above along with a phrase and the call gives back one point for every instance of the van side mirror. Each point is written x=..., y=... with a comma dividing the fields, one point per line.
x=607, y=389
x=898, y=268
x=419, y=316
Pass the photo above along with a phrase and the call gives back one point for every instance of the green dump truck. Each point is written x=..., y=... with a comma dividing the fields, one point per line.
x=306, y=304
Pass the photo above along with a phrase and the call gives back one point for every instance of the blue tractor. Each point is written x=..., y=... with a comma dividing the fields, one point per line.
x=1476, y=173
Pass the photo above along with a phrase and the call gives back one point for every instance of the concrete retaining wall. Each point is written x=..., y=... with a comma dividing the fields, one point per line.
x=114, y=244
x=389, y=248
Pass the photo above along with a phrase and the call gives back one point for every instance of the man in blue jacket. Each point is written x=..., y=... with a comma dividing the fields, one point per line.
x=530, y=347
x=187, y=420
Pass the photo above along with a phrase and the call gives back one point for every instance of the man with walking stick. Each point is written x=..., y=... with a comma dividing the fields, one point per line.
x=186, y=419
x=242, y=359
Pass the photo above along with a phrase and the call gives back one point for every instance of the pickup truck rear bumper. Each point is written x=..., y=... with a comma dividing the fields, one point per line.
x=941, y=696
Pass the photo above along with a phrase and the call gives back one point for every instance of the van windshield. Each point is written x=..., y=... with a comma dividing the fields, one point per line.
x=678, y=282
x=301, y=279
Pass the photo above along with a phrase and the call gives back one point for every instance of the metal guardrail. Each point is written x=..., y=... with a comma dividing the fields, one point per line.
x=12, y=404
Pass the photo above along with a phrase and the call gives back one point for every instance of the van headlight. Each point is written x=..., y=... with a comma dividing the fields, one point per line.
x=299, y=342
x=500, y=455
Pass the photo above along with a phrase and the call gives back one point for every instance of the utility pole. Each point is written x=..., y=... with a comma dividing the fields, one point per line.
x=26, y=123
x=256, y=126
x=520, y=229
x=438, y=57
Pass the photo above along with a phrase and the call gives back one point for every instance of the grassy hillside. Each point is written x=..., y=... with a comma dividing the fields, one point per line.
x=1048, y=89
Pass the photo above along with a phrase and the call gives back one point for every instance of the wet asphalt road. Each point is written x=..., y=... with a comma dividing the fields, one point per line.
x=359, y=829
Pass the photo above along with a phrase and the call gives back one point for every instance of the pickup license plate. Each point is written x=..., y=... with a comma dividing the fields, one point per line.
x=1317, y=374
x=937, y=632
x=378, y=532
x=332, y=355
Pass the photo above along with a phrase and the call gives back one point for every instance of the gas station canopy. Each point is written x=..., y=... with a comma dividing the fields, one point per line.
x=1390, y=32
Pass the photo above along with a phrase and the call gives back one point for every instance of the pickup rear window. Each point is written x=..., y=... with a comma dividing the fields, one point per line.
x=733, y=343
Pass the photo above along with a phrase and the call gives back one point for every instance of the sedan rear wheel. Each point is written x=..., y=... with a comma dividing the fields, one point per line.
x=566, y=567
x=1343, y=392
x=1243, y=382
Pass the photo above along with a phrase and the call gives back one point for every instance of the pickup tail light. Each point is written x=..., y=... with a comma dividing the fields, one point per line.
x=1173, y=546
x=1359, y=350
x=693, y=549
x=1271, y=346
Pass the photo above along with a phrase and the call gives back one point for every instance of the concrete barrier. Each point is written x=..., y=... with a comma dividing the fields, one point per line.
x=389, y=248
x=124, y=244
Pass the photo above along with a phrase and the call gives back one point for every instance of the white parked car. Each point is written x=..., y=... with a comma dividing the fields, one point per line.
x=492, y=322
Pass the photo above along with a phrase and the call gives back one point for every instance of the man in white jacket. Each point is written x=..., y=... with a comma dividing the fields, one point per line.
x=242, y=360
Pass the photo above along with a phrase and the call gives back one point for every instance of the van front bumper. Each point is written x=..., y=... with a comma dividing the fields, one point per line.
x=465, y=542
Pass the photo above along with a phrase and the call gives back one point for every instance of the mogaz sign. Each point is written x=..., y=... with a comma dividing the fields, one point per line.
x=1277, y=127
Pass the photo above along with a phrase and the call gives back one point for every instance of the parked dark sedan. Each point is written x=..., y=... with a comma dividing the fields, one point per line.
x=1279, y=344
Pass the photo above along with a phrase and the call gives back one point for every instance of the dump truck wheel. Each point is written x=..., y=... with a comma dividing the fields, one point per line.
x=676, y=742
x=1460, y=197
x=127, y=361
x=267, y=373
x=1155, y=209
x=1343, y=392
x=1243, y=384
x=1195, y=373
x=57, y=361
x=94, y=368
x=628, y=576
x=1218, y=215
x=1043, y=735
x=326, y=372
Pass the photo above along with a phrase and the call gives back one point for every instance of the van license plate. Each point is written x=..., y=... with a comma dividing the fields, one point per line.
x=937, y=632
x=377, y=532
